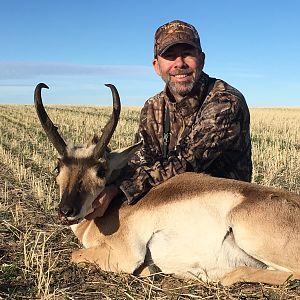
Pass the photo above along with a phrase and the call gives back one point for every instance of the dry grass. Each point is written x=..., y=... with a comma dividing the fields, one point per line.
x=35, y=249
x=276, y=146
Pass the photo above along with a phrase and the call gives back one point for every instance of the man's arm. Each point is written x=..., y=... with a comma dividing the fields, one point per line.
x=148, y=168
x=144, y=177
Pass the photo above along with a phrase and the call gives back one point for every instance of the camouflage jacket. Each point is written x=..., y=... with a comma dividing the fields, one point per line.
x=209, y=132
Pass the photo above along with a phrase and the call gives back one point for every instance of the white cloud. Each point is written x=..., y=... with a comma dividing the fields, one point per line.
x=12, y=70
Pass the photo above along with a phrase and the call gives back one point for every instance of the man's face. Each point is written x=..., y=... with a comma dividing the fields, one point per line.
x=180, y=67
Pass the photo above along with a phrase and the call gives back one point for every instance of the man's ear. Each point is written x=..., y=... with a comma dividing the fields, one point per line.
x=156, y=66
x=201, y=59
x=118, y=159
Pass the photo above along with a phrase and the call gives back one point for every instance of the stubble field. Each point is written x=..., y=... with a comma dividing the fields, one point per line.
x=35, y=248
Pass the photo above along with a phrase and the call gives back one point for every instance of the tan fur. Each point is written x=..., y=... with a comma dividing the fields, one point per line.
x=265, y=223
x=258, y=275
x=191, y=225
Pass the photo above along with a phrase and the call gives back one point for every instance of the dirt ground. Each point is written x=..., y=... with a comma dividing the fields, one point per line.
x=34, y=259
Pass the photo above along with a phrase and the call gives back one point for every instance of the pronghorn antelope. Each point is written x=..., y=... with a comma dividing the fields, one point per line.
x=191, y=225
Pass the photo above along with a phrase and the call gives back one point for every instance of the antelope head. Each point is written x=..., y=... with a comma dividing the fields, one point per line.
x=83, y=172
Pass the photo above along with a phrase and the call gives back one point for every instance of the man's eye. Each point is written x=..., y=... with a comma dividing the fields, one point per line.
x=169, y=56
x=187, y=53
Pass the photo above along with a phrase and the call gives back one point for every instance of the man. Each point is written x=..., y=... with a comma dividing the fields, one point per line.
x=196, y=123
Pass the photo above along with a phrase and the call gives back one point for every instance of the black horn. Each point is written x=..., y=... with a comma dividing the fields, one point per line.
x=111, y=125
x=49, y=127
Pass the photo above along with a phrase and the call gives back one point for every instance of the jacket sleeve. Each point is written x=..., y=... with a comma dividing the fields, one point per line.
x=217, y=128
x=148, y=168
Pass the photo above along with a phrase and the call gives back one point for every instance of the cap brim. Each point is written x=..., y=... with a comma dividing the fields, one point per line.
x=196, y=45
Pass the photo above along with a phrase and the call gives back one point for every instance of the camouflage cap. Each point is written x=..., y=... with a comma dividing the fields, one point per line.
x=175, y=32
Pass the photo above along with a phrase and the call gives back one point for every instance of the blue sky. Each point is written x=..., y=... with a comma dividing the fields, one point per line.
x=77, y=46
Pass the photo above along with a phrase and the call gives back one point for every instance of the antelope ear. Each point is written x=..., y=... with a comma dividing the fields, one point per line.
x=118, y=159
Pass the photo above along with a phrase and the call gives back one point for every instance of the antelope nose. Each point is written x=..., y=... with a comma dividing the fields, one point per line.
x=67, y=211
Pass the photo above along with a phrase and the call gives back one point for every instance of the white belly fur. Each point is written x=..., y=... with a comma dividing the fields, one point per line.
x=184, y=238
x=202, y=252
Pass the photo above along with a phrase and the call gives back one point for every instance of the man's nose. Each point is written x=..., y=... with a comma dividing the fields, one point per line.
x=179, y=61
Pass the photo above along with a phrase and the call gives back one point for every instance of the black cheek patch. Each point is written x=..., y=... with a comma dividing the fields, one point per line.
x=101, y=172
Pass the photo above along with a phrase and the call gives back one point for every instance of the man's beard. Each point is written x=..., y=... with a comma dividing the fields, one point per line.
x=182, y=88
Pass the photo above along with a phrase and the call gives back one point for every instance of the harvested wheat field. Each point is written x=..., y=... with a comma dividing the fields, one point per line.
x=35, y=249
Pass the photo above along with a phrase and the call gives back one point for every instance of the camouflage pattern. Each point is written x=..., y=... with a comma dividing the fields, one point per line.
x=175, y=32
x=209, y=132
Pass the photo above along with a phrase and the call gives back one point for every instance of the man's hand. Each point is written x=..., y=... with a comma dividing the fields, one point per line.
x=101, y=203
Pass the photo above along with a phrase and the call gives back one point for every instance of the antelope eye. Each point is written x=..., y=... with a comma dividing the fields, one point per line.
x=80, y=186
x=58, y=167
x=101, y=172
